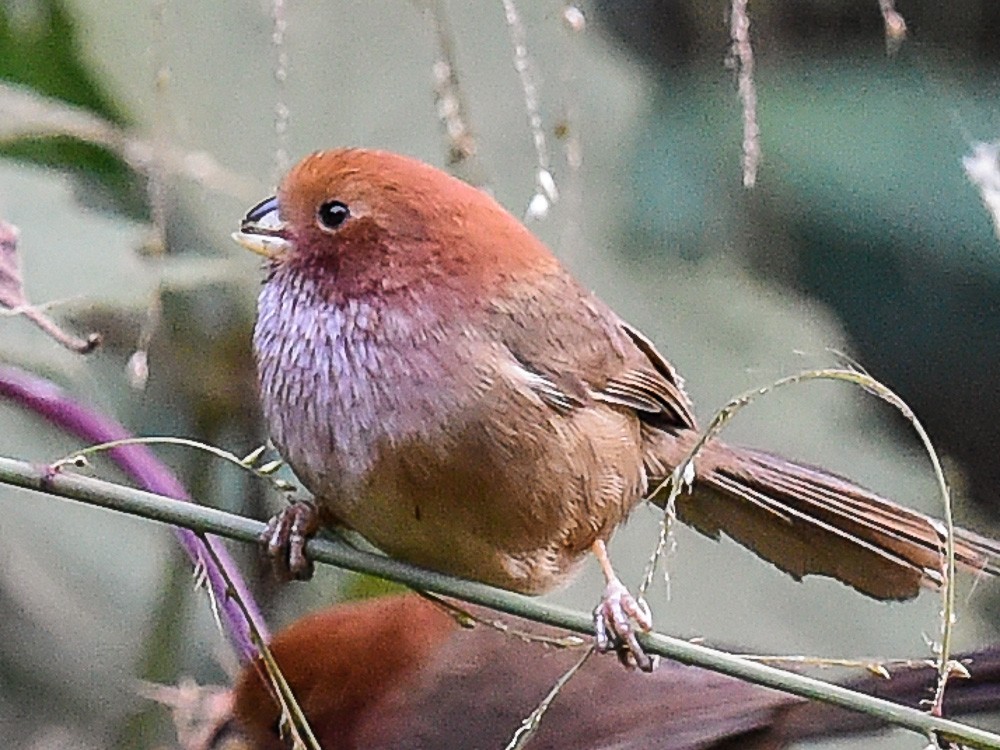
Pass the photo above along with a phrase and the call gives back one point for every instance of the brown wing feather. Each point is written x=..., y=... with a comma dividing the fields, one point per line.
x=590, y=356
x=666, y=384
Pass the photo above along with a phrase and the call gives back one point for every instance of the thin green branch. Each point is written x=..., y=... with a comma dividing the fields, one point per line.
x=209, y=520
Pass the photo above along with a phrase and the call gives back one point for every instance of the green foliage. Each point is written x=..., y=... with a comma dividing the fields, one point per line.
x=38, y=49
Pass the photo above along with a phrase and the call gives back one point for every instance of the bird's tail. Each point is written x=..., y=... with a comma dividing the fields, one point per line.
x=806, y=520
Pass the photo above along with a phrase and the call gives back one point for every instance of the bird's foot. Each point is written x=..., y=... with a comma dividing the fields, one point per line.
x=284, y=540
x=616, y=621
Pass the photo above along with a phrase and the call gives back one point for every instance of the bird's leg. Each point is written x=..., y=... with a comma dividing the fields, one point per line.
x=617, y=616
x=284, y=540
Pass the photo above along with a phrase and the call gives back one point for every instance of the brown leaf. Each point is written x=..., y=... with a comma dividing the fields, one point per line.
x=13, y=298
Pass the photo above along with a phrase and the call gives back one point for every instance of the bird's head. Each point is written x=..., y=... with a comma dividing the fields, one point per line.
x=376, y=220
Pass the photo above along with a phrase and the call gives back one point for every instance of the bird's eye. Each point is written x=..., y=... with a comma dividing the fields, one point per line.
x=332, y=214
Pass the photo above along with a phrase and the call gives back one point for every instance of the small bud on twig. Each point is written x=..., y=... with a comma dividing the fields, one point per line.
x=13, y=298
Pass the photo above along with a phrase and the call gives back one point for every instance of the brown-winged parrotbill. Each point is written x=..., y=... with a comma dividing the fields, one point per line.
x=444, y=387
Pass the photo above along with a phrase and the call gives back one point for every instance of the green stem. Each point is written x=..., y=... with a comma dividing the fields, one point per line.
x=208, y=520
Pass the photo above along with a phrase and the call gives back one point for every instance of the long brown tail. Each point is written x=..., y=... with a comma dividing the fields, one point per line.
x=808, y=521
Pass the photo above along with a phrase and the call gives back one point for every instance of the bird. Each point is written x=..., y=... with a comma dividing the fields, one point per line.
x=443, y=386
x=400, y=671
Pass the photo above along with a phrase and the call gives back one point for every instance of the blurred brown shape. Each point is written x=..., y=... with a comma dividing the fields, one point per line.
x=399, y=672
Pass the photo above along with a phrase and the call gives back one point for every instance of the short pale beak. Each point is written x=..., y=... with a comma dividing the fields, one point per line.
x=263, y=232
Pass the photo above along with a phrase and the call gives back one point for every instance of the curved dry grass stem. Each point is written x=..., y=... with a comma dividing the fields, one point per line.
x=247, y=463
x=296, y=721
x=156, y=185
x=877, y=666
x=742, y=56
x=467, y=619
x=567, y=130
x=546, y=192
x=530, y=725
x=450, y=101
x=684, y=475
x=282, y=113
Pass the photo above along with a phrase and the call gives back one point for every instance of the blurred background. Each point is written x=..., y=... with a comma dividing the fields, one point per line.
x=863, y=235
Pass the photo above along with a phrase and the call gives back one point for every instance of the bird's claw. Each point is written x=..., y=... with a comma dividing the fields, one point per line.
x=284, y=540
x=615, y=621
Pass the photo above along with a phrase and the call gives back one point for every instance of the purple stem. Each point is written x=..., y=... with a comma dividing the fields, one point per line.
x=140, y=464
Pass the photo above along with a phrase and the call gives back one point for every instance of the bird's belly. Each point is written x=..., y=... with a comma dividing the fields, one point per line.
x=438, y=532
x=513, y=503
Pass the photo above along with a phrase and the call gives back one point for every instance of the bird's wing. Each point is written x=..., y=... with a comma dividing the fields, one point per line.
x=651, y=386
x=581, y=352
x=486, y=673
